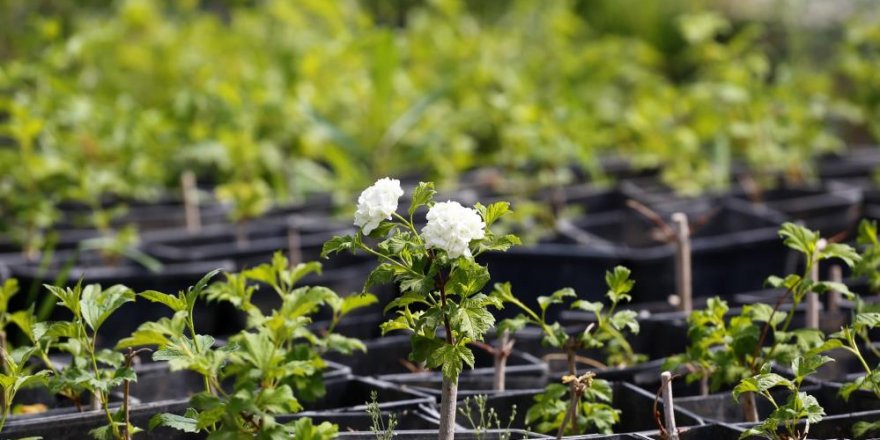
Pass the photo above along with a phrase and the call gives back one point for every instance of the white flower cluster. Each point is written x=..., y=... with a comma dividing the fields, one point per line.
x=451, y=227
x=377, y=203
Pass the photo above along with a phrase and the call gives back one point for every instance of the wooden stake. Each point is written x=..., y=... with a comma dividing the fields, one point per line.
x=294, y=247
x=668, y=407
x=683, y=283
x=812, y=319
x=835, y=274
x=191, y=202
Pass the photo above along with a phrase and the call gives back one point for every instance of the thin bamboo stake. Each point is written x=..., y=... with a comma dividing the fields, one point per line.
x=683, y=275
x=193, y=215
x=835, y=274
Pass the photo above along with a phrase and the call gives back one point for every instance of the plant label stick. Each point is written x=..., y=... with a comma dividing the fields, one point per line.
x=668, y=408
x=683, y=284
x=835, y=274
x=191, y=211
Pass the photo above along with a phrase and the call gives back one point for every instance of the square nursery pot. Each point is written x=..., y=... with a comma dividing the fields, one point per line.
x=68, y=268
x=388, y=359
x=831, y=208
x=636, y=406
x=157, y=382
x=734, y=247
x=68, y=424
x=305, y=236
x=705, y=432
x=459, y=435
x=657, y=339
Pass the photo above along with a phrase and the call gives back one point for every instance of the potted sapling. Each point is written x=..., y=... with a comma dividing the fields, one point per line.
x=582, y=402
x=441, y=304
x=724, y=350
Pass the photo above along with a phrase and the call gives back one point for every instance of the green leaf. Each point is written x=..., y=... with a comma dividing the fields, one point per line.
x=97, y=305
x=423, y=346
x=187, y=423
x=556, y=297
x=625, y=318
x=844, y=252
x=354, y=302
x=588, y=306
x=799, y=238
x=451, y=359
x=173, y=302
x=471, y=319
x=338, y=244
x=803, y=366
x=422, y=195
x=870, y=320
x=69, y=297
x=760, y=383
x=862, y=429
x=493, y=212
x=619, y=284
x=344, y=344
x=467, y=278
x=404, y=300
x=304, y=429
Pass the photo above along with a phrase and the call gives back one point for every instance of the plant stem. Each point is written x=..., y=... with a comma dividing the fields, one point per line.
x=570, y=414
x=449, y=393
x=750, y=408
x=668, y=408
x=448, y=397
x=501, y=355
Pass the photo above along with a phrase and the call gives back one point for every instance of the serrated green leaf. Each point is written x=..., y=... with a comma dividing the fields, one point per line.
x=557, y=297
x=174, y=303
x=338, y=244
x=471, y=319
x=186, y=423
x=98, y=304
x=451, y=359
x=422, y=195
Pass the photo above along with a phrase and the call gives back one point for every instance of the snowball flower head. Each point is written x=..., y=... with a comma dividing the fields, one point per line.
x=451, y=227
x=377, y=203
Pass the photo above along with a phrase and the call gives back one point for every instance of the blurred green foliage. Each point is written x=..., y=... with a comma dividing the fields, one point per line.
x=271, y=100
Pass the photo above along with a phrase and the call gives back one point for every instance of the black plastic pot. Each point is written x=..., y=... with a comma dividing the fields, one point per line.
x=350, y=394
x=635, y=404
x=459, y=435
x=264, y=239
x=386, y=358
x=72, y=425
x=733, y=249
x=714, y=432
x=830, y=208
x=840, y=426
x=172, y=278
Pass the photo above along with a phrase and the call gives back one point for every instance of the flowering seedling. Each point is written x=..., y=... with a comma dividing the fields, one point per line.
x=587, y=404
x=272, y=364
x=783, y=422
x=441, y=302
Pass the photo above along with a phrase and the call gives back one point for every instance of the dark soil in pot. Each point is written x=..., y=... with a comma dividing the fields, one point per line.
x=388, y=358
x=636, y=408
x=838, y=427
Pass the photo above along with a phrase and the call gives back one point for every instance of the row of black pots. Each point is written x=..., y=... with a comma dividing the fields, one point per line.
x=386, y=359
